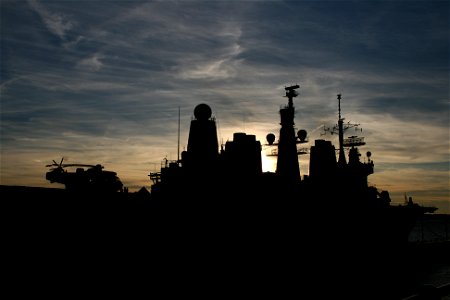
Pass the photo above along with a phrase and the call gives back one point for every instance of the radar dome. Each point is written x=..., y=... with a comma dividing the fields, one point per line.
x=202, y=112
x=369, y=154
x=301, y=134
x=270, y=138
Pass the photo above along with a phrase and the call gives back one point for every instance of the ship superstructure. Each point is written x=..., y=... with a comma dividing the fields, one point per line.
x=228, y=180
x=203, y=169
x=349, y=176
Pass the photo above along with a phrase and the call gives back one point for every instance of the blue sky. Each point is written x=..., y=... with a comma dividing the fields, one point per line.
x=101, y=82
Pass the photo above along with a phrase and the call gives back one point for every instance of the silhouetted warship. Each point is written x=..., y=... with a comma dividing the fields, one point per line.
x=336, y=194
x=330, y=220
x=215, y=212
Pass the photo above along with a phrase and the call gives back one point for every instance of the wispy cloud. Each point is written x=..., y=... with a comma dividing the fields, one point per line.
x=215, y=70
x=56, y=23
x=92, y=63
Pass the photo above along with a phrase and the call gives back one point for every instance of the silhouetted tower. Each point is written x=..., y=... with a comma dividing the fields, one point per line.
x=202, y=149
x=287, y=163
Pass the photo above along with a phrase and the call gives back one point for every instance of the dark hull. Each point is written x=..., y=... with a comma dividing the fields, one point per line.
x=253, y=248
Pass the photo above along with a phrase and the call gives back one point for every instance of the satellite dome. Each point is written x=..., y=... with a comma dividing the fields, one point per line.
x=202, y=112
x=369, y=154
x=301, y=134
x=270, y=138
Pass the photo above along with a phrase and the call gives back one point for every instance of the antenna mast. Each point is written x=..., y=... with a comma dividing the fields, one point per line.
x=178, y=144
x=339, y=129
x=341, y=160
x=287, y=163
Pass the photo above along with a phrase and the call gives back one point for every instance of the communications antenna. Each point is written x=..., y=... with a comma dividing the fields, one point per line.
x=178, y=143
x=339, y=129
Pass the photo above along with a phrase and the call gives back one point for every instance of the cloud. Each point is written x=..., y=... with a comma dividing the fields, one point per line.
x=215, y=70
x=91, y=63
x=73, y=43
x=4, y=84
x=58, y=24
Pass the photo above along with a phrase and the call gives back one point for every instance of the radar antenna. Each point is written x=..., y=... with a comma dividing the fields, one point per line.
x=339, y=129
x=287, y=121
x=291, y=93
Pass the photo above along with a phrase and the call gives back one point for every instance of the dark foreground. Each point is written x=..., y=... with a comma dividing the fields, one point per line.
x=89, y=245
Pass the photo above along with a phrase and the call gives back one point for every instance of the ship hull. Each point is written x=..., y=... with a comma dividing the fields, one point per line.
x=264, y=246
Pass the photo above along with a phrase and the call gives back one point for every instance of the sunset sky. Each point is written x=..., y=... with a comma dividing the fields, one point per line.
x=102, y=82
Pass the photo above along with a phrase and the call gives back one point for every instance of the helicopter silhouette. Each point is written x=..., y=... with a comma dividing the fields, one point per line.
x=86, y=177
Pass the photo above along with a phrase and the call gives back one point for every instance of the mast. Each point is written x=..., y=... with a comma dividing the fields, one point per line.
x=178, y=142
x=287, y=163
x=342, y=161
x=339, y=129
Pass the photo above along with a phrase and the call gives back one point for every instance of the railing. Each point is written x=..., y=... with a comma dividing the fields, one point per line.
x=354, y=141
x=155, y=177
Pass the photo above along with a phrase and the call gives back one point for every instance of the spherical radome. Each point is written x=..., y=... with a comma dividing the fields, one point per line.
x=202, y=112
x=301, y=134
x=270, y=138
